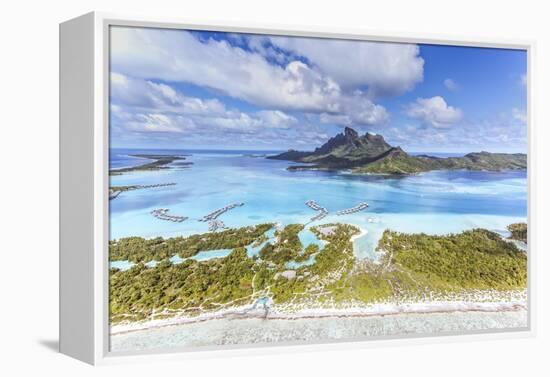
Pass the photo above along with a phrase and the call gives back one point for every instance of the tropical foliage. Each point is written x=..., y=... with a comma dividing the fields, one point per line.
x=410, y=264
x=519, y=231
x=138, y=249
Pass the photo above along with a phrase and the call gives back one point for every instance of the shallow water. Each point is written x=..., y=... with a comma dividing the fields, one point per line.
x=254, y=331
x=434, y=203
x=437, y=202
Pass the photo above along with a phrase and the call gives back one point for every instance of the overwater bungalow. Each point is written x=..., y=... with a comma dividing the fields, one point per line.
x=319, y=216
x=214, y=225
x=162, y=214
x=215, y=214
x=361, y=206
x=323, y=212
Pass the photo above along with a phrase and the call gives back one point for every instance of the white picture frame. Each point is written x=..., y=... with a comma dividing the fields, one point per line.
x=84, y=143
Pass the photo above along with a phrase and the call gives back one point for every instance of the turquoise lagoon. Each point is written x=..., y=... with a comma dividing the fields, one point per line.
x=438, y=202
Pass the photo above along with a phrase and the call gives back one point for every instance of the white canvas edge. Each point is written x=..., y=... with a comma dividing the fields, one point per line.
x=104, y=357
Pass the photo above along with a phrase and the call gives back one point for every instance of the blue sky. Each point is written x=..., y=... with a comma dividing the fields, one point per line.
x=180, y=89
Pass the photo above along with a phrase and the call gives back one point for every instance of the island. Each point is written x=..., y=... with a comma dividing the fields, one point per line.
x=160, y=161
x=436, y=271
x=518, y=231
x=115, y=191
x=371, y=154
x=137, y=249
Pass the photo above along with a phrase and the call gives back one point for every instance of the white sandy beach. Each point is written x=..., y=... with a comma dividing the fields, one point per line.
x=242, y=331
x=362, y=232
x=476, y=301
x=310, y=320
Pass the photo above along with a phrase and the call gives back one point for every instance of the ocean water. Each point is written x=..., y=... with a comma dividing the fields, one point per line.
x=123, y=159
x=437, y=202
x=228, y=331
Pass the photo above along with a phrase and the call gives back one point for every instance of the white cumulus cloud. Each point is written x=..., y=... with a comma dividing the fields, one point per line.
x=356, y=109
x=176, y=55
x=385, y=68
x=434, y=111
x=276, y=118
x=158, y=123
x=144, y=106
x=144, y=94
x=312, y=87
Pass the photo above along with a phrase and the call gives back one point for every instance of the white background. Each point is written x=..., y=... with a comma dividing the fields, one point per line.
x=29, y=183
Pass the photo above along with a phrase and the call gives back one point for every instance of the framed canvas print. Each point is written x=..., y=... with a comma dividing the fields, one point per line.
x=224, y=187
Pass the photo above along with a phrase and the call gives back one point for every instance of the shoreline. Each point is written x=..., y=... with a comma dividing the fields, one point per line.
x=158, y=162
x=514, y=303
x=362, y=232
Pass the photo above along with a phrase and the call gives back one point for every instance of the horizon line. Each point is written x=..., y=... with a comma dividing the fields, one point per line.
x=490, y=150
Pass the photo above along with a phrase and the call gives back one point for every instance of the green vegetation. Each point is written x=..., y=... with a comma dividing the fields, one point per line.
x=138, y=292
x=286, y=249
x=476, y=259
x=160, y=162
x=344, y=150
x=411, y=265
x=137, y=249
x=519, y=231
x=325, y=276
x=307, y=252
x=124, y=188
x=195, y=286
x=372, y=154
x=138, y=187
x=416, y=264
x=396, y=162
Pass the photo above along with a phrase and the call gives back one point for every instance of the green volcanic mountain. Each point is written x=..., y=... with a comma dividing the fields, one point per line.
x=370, y=153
